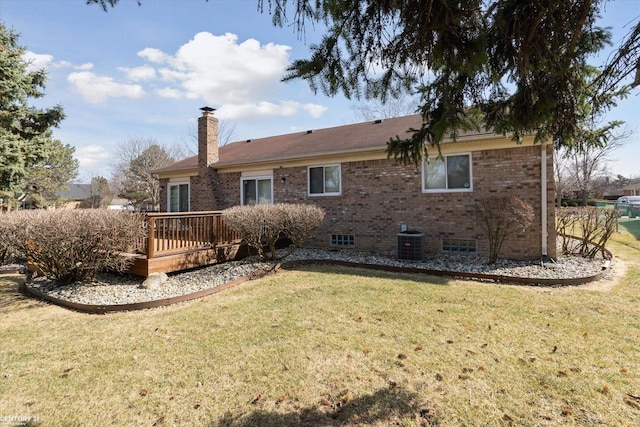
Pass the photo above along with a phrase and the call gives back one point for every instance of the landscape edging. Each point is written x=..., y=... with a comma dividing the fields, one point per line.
x=103, y=309
x=454, y=274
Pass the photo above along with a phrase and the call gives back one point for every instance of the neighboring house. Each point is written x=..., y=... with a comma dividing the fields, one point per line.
x=120, y=204
x=76, y=195
x=368, y=197
x=633, y=189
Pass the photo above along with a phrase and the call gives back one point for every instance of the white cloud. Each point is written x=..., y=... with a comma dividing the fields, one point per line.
x=221, y=70
x=153, y=55
x=37, y=61
x=97, y=89
x=169, y=75
x=66, y=64
x=84, y=67
x=168, y=92
x=314, y=110
x=92, y=156
x=242, y=79
x=264, y=109
x=138, y=74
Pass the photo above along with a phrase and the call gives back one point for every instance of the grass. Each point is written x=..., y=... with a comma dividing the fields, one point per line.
x=630, y=227
x=329, y=346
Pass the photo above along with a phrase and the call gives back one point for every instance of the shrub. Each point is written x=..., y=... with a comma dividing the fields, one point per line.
x=8, y=252
x=501, y=216
x=302, y=222
x=73, y=245
x=577, y=202
x=262, y=225
x=590, y=227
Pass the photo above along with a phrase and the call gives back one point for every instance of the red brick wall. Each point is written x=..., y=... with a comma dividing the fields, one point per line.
x=164, y=190
x=378, y=195
x=225, y=189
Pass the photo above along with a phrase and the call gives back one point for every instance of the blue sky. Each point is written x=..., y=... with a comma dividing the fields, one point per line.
x=144, y=72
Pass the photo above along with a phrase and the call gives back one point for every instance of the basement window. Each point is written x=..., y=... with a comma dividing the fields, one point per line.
x=459, y=246
x=343, y=240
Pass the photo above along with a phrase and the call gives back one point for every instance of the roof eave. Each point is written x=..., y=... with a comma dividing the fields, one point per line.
x=316, y=155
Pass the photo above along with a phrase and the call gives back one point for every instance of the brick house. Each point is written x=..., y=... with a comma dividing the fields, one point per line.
x=368, y=197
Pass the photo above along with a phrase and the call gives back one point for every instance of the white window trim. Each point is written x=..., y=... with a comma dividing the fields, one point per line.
x=337, y=193
x=178, y=184
x=254, y=178
x=449, y=190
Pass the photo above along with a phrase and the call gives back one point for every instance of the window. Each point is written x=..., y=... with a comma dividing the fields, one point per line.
x=324, y=180
x=450, y=173
x=459, y=246
x=343, y=240
x=257, y=191
x=178, y=198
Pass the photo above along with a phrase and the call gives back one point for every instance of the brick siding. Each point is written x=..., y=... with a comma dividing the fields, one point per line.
x=378, y=195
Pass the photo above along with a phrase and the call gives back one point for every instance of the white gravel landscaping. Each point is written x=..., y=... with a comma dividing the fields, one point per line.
x=112, y=289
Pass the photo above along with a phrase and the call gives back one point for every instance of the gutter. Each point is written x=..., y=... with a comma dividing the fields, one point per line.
x=543, y=198
x=379, y=150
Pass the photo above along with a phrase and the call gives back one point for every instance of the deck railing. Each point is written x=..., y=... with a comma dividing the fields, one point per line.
x=172, y=233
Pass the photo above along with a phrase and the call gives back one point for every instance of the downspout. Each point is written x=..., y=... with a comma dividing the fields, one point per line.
x=543, y=197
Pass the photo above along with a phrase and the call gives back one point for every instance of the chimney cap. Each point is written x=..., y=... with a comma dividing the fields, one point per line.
x=207, y=109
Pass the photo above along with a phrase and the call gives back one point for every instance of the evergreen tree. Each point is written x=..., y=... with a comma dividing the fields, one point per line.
x=512, y=65
x=24, y=140
x=584, y=160
x=46, y=179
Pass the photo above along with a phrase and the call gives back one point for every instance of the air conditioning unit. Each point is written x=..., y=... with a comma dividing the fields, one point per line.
x=410, y=246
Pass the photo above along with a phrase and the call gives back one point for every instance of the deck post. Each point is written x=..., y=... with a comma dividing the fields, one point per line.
x=216, y=231
x=151, y=243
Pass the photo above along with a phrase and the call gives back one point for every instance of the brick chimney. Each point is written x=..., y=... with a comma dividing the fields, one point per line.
x=207, y=139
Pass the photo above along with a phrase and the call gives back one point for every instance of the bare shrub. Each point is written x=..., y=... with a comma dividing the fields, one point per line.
x=302, y=223
x=262, y=225
x=501, y=216
x=73, y=245
x=8, y=252
x=585, y=230
x=251, y=223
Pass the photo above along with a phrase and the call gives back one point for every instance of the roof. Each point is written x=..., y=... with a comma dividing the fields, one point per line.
x=76, y=191
x=353, y=138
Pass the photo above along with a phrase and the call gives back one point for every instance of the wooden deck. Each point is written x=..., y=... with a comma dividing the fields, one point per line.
x=183, y=240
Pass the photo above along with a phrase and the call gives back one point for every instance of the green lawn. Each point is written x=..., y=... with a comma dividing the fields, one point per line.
x=329, y=346
x=630, y=226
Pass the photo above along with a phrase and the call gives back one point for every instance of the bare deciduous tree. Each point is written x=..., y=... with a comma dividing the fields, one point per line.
x=501, y=216
x=100, y=194
x=189, y=146
x=592, y=228
x=392, y=107
x=133, y=176
x=578, y=169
